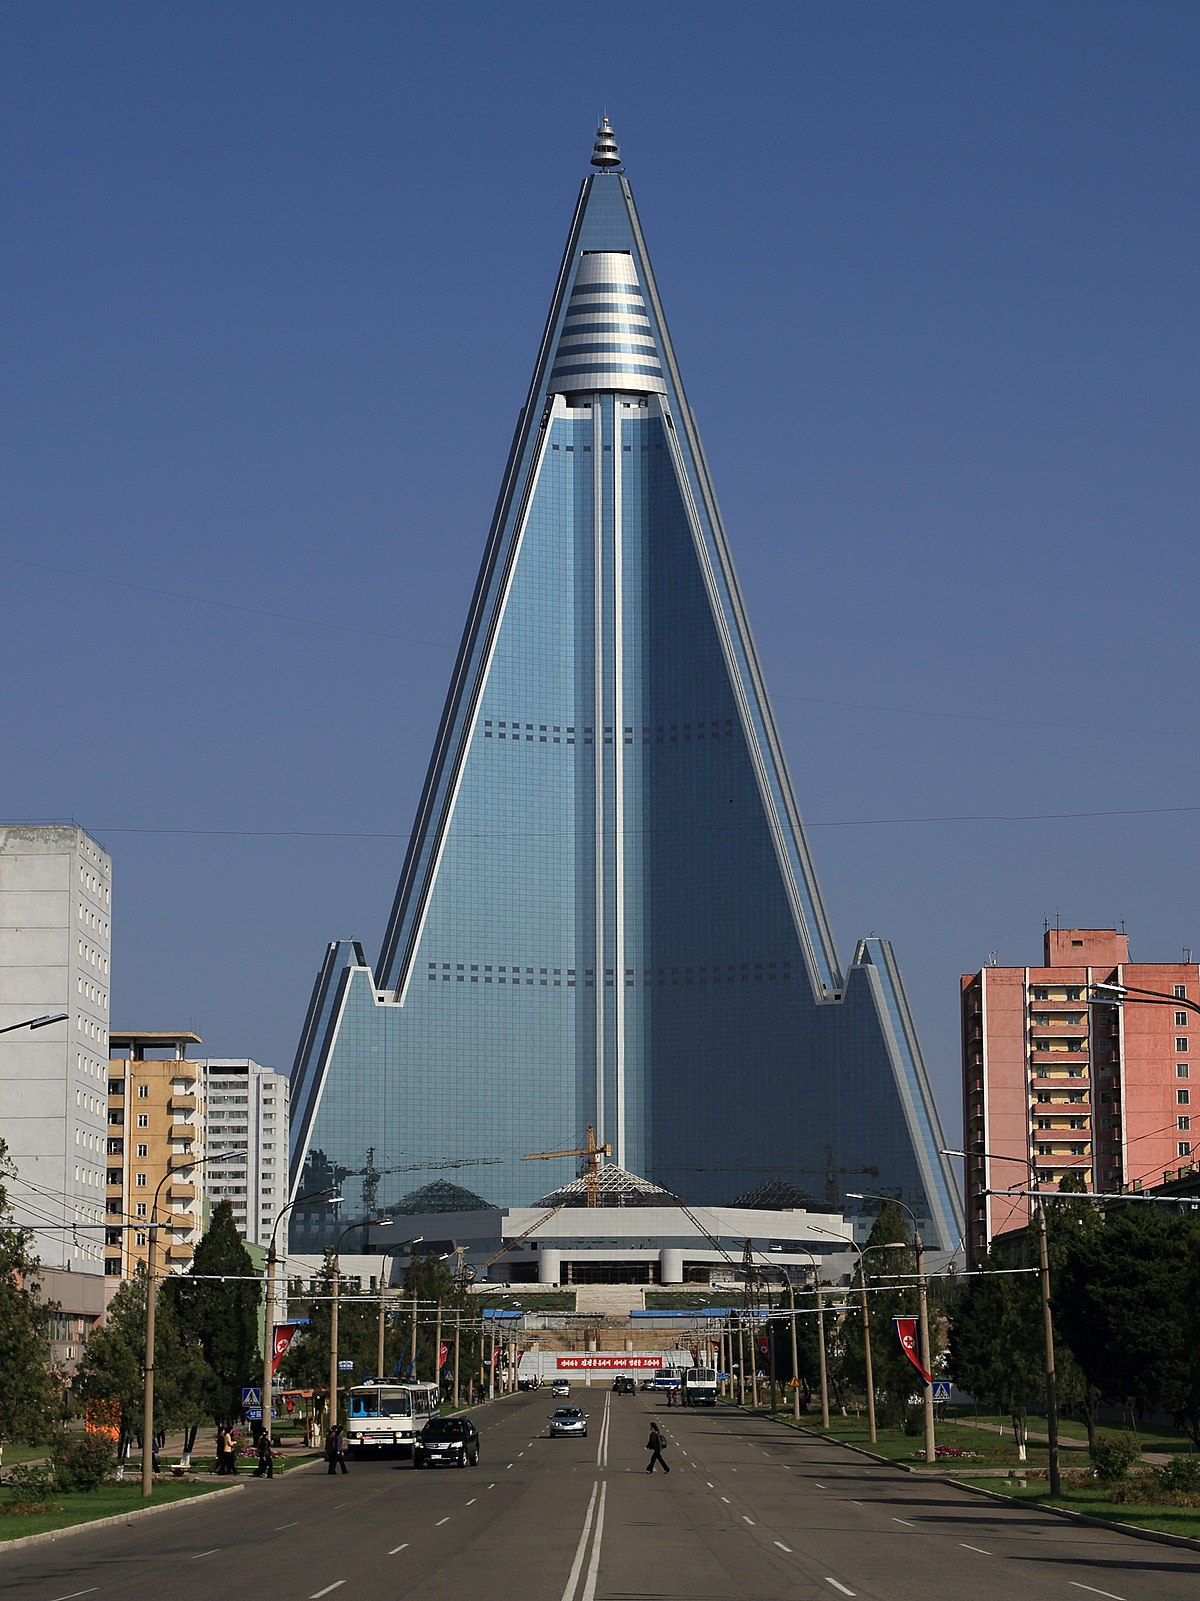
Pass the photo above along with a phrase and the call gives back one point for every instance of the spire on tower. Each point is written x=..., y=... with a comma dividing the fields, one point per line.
x=605, y=153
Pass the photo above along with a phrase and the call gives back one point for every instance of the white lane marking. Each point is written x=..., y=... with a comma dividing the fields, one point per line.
x=817, y=1486
x=710, y=1484
x=290, y=1525
x=725, y=1498
x=745, y=1519
x=837, y=1585
x=573, y=1577
x=783, y=1547
x=491, y=1486
x=440, y=1521
x=71, y=1596
x=905, y=1522
x=471, y=1502
x=211, y=1553
x=396, y=1548
x=507, y=1465
x=1092, y=1588
x=978, y=1548
x=856, y=1503
x=317, y=1594
x=589, y=1589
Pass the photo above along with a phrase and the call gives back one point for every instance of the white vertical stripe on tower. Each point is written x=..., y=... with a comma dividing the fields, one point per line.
x=598, y=744
x=618, y=1129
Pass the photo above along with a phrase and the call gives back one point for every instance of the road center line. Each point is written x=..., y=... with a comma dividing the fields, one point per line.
x=589, y=1589
x=396, y=1548
x=573, y=1577
x=1092, y=1588
x=783, y=1547
x=211, y=1553
x=74, y=1593
x=317, y=1594
x=838, y=1586
x=978, y=1548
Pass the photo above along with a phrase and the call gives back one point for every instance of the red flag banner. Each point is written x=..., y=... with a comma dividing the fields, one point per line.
x=906, y=1333
x=285, y=1333
x=763, y=1347
x=443, y=1353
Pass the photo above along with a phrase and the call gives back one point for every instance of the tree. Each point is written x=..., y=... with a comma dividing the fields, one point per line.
x=895, y=1377
x=1127, y=1300
x=28, y=1392
x=217, y=1303
x=997, y=1350
x=113, y=1364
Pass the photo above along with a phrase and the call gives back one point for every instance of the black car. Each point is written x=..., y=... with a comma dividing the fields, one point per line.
x=624, y=1385
x=451, y=1442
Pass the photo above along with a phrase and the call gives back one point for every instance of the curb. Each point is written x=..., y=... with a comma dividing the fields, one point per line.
x=1065, y=1513
x=49, y=1535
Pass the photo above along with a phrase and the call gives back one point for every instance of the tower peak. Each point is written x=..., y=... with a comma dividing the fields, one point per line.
x=605, y=154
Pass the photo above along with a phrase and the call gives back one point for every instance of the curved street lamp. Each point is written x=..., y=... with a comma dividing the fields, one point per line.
x=923, y=1319
x=37, y=1022
x=151, y=1298
x=269, y=1296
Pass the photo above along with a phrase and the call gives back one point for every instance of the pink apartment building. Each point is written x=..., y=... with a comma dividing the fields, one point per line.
x=1058, y=1080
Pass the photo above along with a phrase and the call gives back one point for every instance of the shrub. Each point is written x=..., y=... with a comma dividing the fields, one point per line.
x=1180, y=1473
x=82, y=1461
x=1113, y=1455
x=32, y=1483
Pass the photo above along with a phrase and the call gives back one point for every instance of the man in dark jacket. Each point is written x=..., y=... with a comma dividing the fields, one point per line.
x=266, y=1456
x=655, y=1444
x=335, y=1449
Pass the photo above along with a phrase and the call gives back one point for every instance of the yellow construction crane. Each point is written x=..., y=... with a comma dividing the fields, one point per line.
x=591, y=1173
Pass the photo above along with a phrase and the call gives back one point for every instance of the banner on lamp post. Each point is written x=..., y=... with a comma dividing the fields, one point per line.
x=285, y=1333
x=906, y=1333
x=443, y=1353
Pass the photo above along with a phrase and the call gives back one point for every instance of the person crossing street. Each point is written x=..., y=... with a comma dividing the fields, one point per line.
x=655, y=1445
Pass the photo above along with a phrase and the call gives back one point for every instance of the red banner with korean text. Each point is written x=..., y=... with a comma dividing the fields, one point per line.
x=443, y=1353
x=285, y=1333
x=906, y=1333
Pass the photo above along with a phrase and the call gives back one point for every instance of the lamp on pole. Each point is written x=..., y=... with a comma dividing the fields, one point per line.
x=392, y=1250
x=363, y=1223
x=887, y=1245
x=151, y=1298
x=1039, y=1213
x=922, y=1320
x=268, y=1372
x=37, y=1022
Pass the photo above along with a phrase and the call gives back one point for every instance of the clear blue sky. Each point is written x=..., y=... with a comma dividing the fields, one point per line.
x=273, y=278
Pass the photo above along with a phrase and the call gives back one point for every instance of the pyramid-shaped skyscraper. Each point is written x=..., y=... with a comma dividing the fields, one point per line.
x=608, y=913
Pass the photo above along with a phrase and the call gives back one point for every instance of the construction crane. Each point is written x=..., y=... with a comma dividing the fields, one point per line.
x=830, y=1171
x=466, y=1274
x=371, y=1174
x=591, y=1172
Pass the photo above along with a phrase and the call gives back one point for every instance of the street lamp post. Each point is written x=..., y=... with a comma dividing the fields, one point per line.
x=37, y=1022
x=393, y=1250
x=151, y=1299
x=822, y=1360
x=363, y=1223
x=268, y=1372
x=922, y=1321
x=1039, y=1213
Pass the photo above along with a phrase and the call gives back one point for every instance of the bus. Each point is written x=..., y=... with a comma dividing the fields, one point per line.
x=699, y=1387
x=384, y=1416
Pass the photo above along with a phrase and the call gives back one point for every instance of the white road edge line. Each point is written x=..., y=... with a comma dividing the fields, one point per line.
x=317, y=1594
x=573, y=1578
x=196, y=1557
x=783, y=1547
x=1092, y=1588
x=978, y=1548
x=905, y=1522
x=396, y=1548
x=838, y=1585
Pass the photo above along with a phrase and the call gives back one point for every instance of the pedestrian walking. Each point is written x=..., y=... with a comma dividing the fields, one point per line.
x=335, y=1449
x=655, y=1445
x=223, y=1468
x=266, y=1456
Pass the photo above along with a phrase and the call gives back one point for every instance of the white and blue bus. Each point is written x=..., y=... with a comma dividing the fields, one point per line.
x=384, y=1416
x=699, y=1387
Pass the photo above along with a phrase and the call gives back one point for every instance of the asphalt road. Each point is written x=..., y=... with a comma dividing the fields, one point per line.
x=749, y=1512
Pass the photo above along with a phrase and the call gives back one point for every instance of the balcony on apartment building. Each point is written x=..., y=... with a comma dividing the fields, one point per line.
x=181, y=1101
x=181, y=1190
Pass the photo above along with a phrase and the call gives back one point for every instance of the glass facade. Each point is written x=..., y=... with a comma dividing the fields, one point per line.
x=608, y=913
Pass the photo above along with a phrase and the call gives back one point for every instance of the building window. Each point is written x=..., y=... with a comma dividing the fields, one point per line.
x=1183, y=1124
x=1183, y=1097
x=1181, y=1070
x=143, y=1151
x=141, y=1209
x=1181, y=1045
x=140, y=1239
x=143, y=1092
x=1183, y=1147
x=140, y=1181
x=1180, y=1019
x=1181, y=992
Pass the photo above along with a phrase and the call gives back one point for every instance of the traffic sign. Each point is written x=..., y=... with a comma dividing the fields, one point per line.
x=345, y=1365
x=254, y=1413
x=252, y=1396
x=941, y=1389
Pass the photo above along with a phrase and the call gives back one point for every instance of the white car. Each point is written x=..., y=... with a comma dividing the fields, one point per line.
x=568, y=1420
x=559, y=1388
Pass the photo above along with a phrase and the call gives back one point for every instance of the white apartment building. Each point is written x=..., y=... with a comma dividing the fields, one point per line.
x=247, y=1109
x=55, y=909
